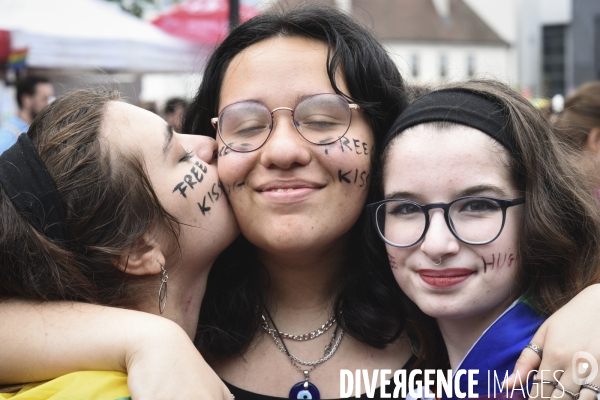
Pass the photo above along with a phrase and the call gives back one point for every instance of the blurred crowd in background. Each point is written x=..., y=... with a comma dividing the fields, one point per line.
x=154, y=50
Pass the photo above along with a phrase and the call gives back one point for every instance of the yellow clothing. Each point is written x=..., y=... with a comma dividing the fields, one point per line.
x=97, y=385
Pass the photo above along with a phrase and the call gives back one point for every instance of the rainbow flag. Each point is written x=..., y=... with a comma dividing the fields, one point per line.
x=17, y=58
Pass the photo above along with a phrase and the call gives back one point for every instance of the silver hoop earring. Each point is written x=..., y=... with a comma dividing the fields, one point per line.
x=162, y=291
x=438, y=262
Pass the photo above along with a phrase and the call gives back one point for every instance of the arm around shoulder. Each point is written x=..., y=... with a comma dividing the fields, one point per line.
x=46, y=340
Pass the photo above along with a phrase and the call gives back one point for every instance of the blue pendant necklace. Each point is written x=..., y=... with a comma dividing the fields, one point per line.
x=305, y=389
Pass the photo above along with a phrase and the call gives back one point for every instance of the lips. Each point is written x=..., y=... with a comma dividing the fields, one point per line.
x=288, y=191
x=287, y=186
x=445, y=278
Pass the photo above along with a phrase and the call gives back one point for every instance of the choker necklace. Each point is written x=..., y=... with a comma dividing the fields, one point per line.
x=306, y=389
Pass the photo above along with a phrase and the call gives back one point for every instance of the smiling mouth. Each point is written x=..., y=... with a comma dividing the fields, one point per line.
x=280, y=190
x=445, y=278
x=288, y=186
x=288, y=192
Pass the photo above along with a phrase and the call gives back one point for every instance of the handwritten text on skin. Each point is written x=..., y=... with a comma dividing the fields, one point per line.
x=392, y=260
x=235, y=187
x=494, y=262
x=354, y=176
x=223, y=151
x=350, y=145
x=498, y=262
x=197, y=172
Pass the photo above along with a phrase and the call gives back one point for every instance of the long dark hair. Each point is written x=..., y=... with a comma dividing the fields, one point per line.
x=559, y=243
x=369, y=299
x=109, y=202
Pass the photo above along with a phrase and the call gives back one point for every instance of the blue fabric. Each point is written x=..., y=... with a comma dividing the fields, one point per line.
x=7, y=139
x=498, y=349
x=9, y=132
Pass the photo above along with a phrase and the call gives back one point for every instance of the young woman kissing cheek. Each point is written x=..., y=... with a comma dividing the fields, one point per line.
x=291, y=194
x=183, y=173
x=447, y=278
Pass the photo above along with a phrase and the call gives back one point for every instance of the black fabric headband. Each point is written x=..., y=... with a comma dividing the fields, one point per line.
x=32, y=191
x=460, y=106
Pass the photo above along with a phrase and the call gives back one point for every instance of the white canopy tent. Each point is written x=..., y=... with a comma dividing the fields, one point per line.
x=92, y=34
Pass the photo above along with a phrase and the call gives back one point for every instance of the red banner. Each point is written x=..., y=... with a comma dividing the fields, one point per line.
x=4, y=45
x=204, y=21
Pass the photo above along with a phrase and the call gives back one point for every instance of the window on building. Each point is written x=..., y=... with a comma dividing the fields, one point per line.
x=416, y=65
x=470, y=65
x=443, y=65
x=554, y=59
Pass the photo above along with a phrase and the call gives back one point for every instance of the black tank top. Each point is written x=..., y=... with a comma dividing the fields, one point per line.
x=241, y=394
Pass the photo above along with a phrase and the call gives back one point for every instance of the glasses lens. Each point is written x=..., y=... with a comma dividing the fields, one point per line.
x=245, y=126
x=476, y=220
x=400, y=222
x=323, y=119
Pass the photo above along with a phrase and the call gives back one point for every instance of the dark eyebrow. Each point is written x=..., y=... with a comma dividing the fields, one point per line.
x=479, y=189
x=168, y=140
x=400, y=195
x=471, y=191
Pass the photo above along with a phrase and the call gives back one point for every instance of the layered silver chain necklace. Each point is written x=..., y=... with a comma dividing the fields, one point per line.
x=305, y=389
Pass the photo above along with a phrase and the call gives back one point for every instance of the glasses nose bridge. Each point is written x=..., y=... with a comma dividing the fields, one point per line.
x=445, y=209
x=282, y=108
x=443, y=206
x=292, y=110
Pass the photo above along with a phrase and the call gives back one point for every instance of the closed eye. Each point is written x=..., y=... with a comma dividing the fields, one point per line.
x=187, y=156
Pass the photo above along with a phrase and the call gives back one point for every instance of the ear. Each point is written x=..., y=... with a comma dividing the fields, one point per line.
x=592, y=142
x=143, y=258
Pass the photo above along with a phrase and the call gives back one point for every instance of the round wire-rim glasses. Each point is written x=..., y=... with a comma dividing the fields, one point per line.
x=332, y=98
x=376, y=208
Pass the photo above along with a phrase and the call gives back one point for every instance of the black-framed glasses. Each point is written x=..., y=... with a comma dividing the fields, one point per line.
x=471, y=219
x=320, y=119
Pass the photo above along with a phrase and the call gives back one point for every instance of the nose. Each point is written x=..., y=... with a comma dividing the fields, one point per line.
x=439, y=242
x=285, y=146
x=203, y=146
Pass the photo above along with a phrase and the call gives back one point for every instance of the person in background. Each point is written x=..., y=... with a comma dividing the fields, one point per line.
x=579, y=126
x=174, y=110
x=34, y=93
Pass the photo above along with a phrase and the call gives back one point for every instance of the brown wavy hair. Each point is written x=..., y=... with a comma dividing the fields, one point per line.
x=559, y=246
x=109, y=203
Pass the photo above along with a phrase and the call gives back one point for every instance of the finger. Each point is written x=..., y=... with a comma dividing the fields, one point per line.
x=528, y=361
x=544, y=384
x=536, y=388
x=586, y=373
x=566, y=388
x=591, y=392
x=227, y=395
x=587, y=394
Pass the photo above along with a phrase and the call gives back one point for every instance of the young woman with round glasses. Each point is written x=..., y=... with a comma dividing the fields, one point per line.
x=484, y=222
x=301, y=291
